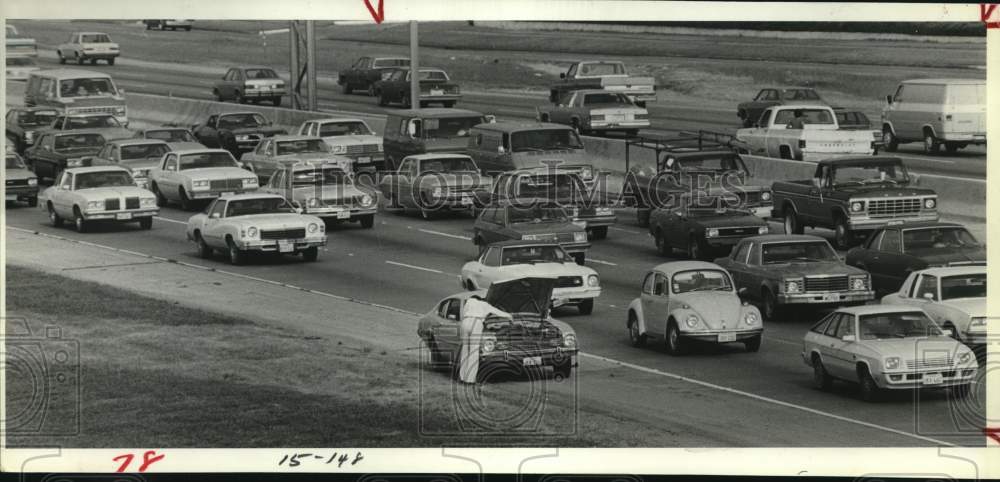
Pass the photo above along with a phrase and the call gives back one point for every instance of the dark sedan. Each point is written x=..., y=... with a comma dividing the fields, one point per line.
x=57, y=150
x=435, y=87
x=891, y=253
x=539, y=222
x=701, y=230
x=23, y=124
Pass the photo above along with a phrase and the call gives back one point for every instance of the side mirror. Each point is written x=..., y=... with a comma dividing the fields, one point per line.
x=501, y=150
x=170, y=168
x=848, y=338
x=741, y=292
x=947, y=332
x=215, y=215
x=928, y=296
x=562, y=75
x=888, y=99
x=121, y=90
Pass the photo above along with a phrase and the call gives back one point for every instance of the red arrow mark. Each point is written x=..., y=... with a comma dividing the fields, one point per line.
x=993, y=433
x=379, y=16
x=985, y=12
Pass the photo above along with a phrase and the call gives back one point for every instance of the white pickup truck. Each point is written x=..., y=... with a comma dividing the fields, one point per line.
x=606, y=75
x=815, y=136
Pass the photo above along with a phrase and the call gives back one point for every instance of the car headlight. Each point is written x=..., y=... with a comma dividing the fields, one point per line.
x=338, y=149
x=593, y=281
x=930, y=203
x=147, y=202
x=569, y=341
x=964, y=357
x=437, y=192
x=379, y=147
x=312, y=202
x=763, y=230
x=793, y=285
x=313, y=227
x=95, y=205
x=605, y=211
x=859, y=283
x=32, y=182
x=691, y=320
x=249, y=182
x=200, y=184
x=978, y=321
x=530, y=237
x=765, y=196
x=489, y=344
x=366, y=200
x=857, y=206
x=77, y=162
x=597, y=117
x=251, y=232
x=580, y=236
x=892, y=363
x=712, y=233
x=242, y=137
x=751, y=318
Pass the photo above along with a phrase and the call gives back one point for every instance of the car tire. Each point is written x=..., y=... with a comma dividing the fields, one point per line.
x=843, y=237
x=694, y=249
x=673, y=341
x=204, y=250
x=368, y=221
x=32, y=202
x=236, y=255
x=889, y=139
x=111, y=61
x=642, y=216
x=54, y=217
x=62, y=60
x=662, y=247
x=239, y=98
x=186, y=203
x=146, y=223
x=346, y=88
x=161, y=200
x=276, y=101
x=752, y=344
x=599, y=232
x=821, y=379
x=768, y=305
x=79, y=222
x=562, y=370
x=310, y=254
x=586, y=307
x=217, y=95
x=791, y=222
x=931, y=143
x=635, y=338
x=870, y=392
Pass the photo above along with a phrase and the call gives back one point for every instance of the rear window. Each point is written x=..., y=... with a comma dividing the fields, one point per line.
x=967, y=94
x=36, y=118
x=95, y=38
x=99, y=86
x=801, y=94
x=602, y=69
x=809, y=116
x=143, y=151
x=379, y=63
x=78, y=141
x=261, y=74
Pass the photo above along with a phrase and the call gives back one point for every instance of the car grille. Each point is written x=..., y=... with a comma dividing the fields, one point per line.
x=344, y=201
x=362, y=148
x=17, y=182
x=564, y=237
x=91, y=110
x=826, y=283
x=131, y=203
x=745, y=231
x=284, y=234
x=929, y=362
x=887, y=208
x=569, y=281
x=112, y=204
x=226, y=184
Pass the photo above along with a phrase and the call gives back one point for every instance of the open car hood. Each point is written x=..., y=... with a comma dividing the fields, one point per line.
x=522, y=295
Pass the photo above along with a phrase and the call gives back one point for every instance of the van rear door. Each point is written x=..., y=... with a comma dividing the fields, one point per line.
x=965, y=107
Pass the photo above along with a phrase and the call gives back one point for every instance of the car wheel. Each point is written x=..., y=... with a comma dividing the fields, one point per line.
x=586, y=307
x=635, y=338
x=310, y=254
x=62, y=60
x=769, y=305
x=662, y=247
x=931, y=144
x=562, y=370
x=842, y=235
x=236, y=255
x=870, y=392
x=694, y=250
x=791, y=222
x=57, y=221
x=217, y=95
x=204, y=250
x=642, y=217
x=239, y=98
x=599, y=232
x=821, y=379
x=146, y=223
x=951, y=147
x=161, y=201
x=80, y=223
x=752, y=344
x=111, y=61
x=673, y=341
x=346, y=88
x=276, y=101
x=186, y=203
x=889, y=139
x=368, y=221
x=32, y=202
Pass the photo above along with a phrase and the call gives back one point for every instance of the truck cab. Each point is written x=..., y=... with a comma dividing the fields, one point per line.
x=804, y=133
x=607, y=75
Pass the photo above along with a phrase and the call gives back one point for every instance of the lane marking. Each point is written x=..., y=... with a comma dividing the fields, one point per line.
x=762, y=398
x=633, y=366
x=439, y=233
x=928, y=159
x=626, y=230
x=171, y=220
x=421, y=268
x=592, y=260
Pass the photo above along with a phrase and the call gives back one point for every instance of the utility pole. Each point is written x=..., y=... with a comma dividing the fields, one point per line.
x=293, y=64
x=302, y=69
x=311, y=62
x=414, y=67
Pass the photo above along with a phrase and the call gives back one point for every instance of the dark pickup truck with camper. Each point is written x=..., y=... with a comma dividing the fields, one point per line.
x=853, y=196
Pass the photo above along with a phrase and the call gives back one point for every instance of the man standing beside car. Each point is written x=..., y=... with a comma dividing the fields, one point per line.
x=474, y=314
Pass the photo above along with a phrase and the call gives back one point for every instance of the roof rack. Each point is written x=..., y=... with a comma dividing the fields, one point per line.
x=685, y=141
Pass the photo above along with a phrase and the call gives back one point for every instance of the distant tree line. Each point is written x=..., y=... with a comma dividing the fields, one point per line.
x=960, y=29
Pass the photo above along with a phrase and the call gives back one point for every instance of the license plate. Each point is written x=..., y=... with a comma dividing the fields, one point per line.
x=932, y=379
x=10, y=197
x=437, y=92
x=532, y=361
x=365, y=159
x=230, y=193
x=285, y=247
x=727, y=337
x=343, y=215
x=831, y=297
x=123, y=216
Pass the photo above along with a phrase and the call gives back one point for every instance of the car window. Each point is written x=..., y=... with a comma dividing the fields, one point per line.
x=943, y=237
x=874, y=240
x=821, y=326
x=660, y=285
x=442, y=309
x=927, y=284
x=846, y=326
x=278, y=179
x=647, y=284
x=454, y=309
x=218, y=208
x=492, y=257
x=890, y=241
x=741, y=254
x=831, y=329
x=262, y=147
x=67, y=182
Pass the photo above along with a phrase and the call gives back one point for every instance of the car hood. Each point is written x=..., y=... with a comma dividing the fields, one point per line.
x=18, y=174
x=717, y=309
x=275, y=220
x=328, y=193
x=813, y=268
x=522, y=295
x=464, y=180
x=544, y=270
x=880, y=191
x=533, y=228
x=181, y=146
x=266, y=130
x=970, y=306
x=733, y=220
x=943, y=256
x=914, y=347
x=350, y=140
x=98, y=193
x=216, y=173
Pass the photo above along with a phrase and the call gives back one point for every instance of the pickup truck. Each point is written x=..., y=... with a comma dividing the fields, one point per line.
x=606, y=75
x=853, y=196
x=804, y=133
x=600, y=111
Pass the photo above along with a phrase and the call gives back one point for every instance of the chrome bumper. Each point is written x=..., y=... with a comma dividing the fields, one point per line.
x=271, y=245
x=915, y=379
x=825, y=297
x=714, y=336
x=120, y=215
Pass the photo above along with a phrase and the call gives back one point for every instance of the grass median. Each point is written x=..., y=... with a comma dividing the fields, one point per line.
x=155, y=373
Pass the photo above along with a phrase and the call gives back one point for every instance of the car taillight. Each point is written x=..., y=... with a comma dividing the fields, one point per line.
x=802, y=143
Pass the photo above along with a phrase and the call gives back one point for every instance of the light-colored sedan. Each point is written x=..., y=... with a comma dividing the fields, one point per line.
x=575, y=284
x=199, y=174
x=348, y=137
x=257, y=222
x=99, y=193
x=138, y=155
x=955, y=298
x=325, y=190
x=886, y=347
x=692, y=300
x=273, y=152
x=178, y=138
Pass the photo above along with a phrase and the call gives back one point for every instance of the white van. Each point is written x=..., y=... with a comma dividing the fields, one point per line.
x=948, y=112
x=73, y=91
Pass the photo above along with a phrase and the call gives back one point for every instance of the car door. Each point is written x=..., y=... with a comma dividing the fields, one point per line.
x=207, y=133
x=738, y=265
x=487, y=270
x=675, y=226
x=262, y=165
x=656, y=305
x=765, y=98
x=490, y=223
x=827, y=346
x=62, y=194
x=168, y=179
x=902, y=114
x=886, y=262
x=214, y=229
x=842, y=354
x=560, y=113
x=447, y=326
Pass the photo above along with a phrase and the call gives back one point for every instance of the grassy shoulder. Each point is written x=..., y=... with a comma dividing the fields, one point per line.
x=156, y=373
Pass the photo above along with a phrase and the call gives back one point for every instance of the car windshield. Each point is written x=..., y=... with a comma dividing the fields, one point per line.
x=701, y=280
x=263, y=205
x=870, y=174
x=906, y=324
x=544, y=140
x=772, y=253
x=809, y=116
x=331, y=176
x=36, y=118
x=963, y=286
x=381, y=63
x=97, y=38
x=93, y=87
x=548, y=186
x=171, y=135
x=606, y=98
x=207, y=159
x=143, y=151
x=537, y=214
x=302, y=146
x=448, y=164
x=78, y=141
x=333, y=129
x=937, y=238
x=14, y=162
x=261, y=74
x=449, y=127
x=90, y=122
x=236, y=121
x=602, y=68
x=534, y=254
x=433, y=75
x=90, y=180
x=801, y=94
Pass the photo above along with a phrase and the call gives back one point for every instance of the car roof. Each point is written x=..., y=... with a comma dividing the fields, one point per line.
x=73, y=132
x=509, y=126
x=860, y=161
x=337, y=119
x=239, y=112
x=183, y=152
x=955, y=270
x=675, y=266
x=295, y=137
x=521, y=242
x=876, y=309
x=70, y=73
x=800, y=107
x=250, y=195
x=252, y=66
x=945, y=81
x=438, y=112
x=83, y=170
x=132, y=142
x=774, y=238
x=92, y=33
x=439, y=155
